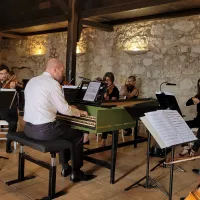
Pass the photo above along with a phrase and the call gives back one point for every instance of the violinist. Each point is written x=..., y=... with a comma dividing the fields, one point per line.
x=11, y=115
x=130, y=91
x=112, y=93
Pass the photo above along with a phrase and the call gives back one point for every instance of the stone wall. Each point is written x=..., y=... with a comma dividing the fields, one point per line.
x=173, y=55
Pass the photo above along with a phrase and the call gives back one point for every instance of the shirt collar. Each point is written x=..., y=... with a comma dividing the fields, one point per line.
x=47, y=74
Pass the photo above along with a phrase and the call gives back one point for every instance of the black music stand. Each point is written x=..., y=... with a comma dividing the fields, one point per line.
x=167, y=101
x=6, y=101
x=147, y=177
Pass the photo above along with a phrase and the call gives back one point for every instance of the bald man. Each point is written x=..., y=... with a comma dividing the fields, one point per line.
x=43, y=99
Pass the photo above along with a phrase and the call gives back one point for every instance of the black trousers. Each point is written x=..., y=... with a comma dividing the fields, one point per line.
x=60, y=131
x=195, y=123
x=105, y=134
x=11, y=116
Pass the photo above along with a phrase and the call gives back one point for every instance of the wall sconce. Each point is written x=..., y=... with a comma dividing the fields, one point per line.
x=79, y=52
x=38, y=51
x=136, y=51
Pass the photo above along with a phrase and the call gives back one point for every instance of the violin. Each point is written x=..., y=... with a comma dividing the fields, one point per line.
x=13, y=78
x=110, y=89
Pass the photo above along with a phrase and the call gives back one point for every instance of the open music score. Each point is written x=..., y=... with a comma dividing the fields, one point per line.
x=168, y=128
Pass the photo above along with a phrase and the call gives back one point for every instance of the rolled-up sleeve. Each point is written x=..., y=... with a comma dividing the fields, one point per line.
x=61, y=104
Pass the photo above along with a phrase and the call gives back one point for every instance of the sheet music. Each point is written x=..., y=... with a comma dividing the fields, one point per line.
x=163, y=127
x=170, y=127
x=184, y=132
x=92, y=91
x=153, y=132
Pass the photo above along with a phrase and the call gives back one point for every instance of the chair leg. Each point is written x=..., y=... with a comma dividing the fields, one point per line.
x=98, y=136
x=132, y=132
x=15, y=145
x=52, y=176
x=123, y=135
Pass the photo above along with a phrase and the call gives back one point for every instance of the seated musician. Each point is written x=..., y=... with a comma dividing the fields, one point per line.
x=11, y=115
x=195, y=123
x=112, y=93
x=43, y=99
x=130, y=91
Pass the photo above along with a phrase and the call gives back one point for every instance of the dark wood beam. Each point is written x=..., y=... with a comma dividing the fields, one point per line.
x=12, y=36
x=73, y=27
x=177, y=14
x=64, y=6
x=97, y=25
x=44, y=32
x=35, y=22
x=114, y=6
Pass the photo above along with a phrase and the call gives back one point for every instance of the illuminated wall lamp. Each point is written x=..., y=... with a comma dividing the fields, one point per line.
x=136, y=51
x=38, y=51
x=78, y=52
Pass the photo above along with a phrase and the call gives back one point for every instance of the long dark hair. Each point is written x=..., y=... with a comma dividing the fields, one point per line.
x=198, y=88
x=110, y=75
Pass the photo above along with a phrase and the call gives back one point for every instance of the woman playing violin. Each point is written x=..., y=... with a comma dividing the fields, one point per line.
x=112, y=93
x=11, y=115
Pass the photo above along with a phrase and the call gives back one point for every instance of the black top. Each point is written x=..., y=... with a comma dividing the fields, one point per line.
x=134, y=97
x=114, y=93
x=190, y=102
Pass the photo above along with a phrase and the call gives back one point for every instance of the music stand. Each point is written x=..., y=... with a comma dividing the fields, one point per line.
x=167, y=101
x=6, y=101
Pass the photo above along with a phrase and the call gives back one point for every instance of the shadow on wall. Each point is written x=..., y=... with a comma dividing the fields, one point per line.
x=23, y=72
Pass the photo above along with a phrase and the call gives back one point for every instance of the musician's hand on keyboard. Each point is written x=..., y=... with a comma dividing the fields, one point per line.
x=83, y=113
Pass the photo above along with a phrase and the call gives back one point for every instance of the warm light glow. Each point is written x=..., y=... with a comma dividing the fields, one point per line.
x=78, y=49
x=136, y=49
x=38, y=51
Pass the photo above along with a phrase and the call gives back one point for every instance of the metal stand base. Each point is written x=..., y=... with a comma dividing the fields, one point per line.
x=18, y=180
x=3, y=157
x=162, y=164
x=147, y=185
x=58, y=194
x=52, y=173
x=147, y=177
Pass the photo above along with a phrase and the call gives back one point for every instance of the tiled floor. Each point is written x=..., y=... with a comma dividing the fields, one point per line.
x=131, y=166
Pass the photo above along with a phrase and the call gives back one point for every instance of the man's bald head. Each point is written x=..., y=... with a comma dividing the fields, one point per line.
x=56, y=68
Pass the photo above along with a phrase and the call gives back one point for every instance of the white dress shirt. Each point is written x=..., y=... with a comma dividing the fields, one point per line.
x=43, y=98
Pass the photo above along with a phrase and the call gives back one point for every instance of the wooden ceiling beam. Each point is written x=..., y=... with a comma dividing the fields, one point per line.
x=116, y=6
x=97, y=25
x=169, y=15
x=36, y=22
x=12, y=36
x=64, y=7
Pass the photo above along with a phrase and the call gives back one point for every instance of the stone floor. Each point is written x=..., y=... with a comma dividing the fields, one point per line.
x=131, y=166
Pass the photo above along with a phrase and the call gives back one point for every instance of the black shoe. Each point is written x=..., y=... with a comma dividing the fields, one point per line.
x=66, y=172
x=81, y=176
x=196, y=171
x=9, y=149
x=86, y=143
x=8, y=146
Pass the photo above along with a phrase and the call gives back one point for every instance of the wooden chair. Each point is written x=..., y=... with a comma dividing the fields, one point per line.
x=4, y=131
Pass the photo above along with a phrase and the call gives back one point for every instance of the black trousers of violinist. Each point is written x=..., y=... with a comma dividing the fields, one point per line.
x=11, y=116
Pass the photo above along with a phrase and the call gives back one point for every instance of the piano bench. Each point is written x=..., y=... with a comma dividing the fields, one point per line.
x=45, y=146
